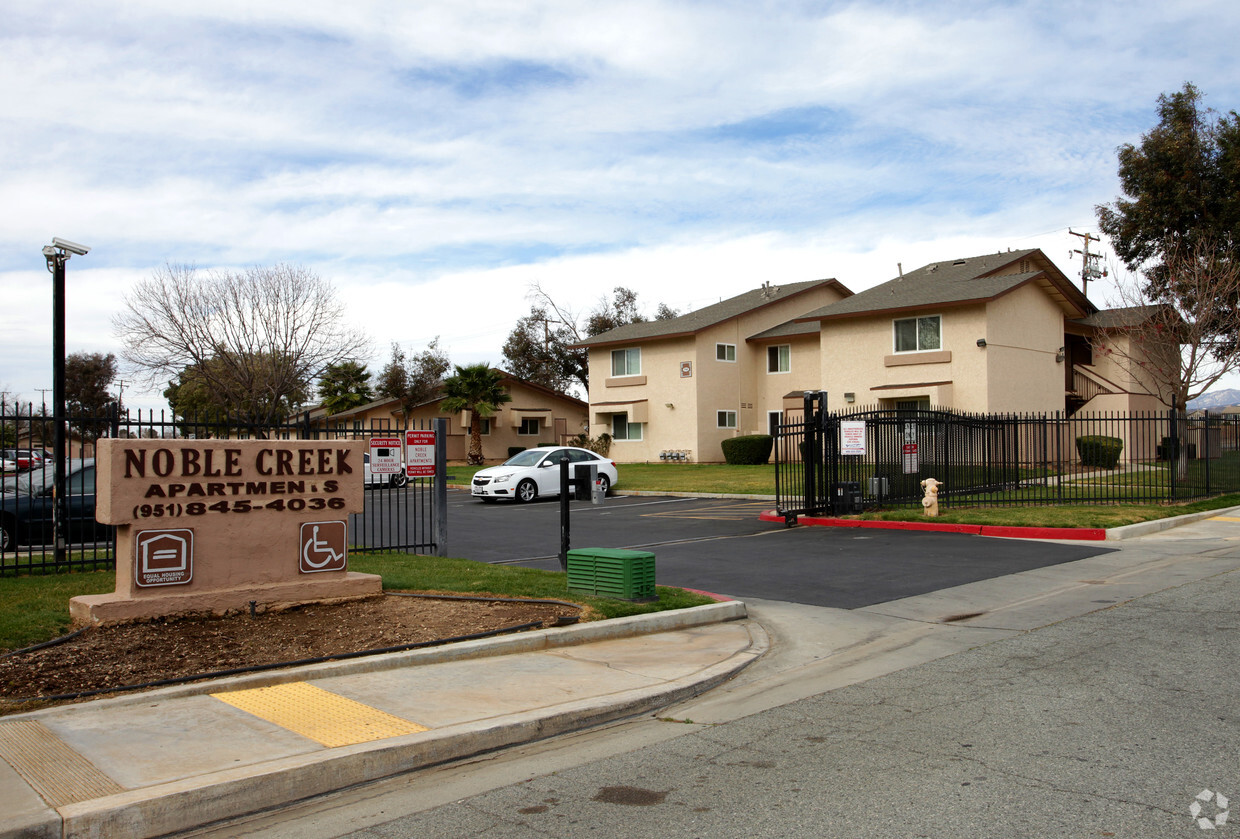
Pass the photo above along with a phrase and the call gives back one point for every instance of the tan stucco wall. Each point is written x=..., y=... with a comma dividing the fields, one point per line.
x=769, y=389
x=853, y=354
x=1024, y=331
x=661, y=383
x=741, y=386
x=1122, y=361
x=1015, y=372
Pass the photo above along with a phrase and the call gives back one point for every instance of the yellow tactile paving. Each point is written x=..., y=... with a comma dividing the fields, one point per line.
x=318, y=714
x=1224, y=518
x=55, y=771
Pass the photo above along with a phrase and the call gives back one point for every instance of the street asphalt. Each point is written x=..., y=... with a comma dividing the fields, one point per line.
x=1085, y=697
x=719, y=545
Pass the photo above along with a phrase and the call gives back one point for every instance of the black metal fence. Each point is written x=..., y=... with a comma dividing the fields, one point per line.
x=877, y=457
x=398, y=515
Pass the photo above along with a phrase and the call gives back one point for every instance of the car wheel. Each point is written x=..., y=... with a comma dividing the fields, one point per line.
x=605, y=482
x=8, y=541
x=399, y=481
x=527, y=490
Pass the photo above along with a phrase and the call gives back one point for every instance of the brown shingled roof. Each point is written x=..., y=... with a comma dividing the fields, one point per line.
x=695, y=321
x=956, y=282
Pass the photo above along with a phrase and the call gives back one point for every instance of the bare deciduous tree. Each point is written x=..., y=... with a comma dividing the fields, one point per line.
x=256, y=336
x=1180, y=339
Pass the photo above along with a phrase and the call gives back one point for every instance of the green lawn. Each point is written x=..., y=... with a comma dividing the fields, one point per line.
x=1066, y=515
x=673, y=477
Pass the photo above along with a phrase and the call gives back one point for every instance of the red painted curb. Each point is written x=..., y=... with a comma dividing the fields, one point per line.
x=1095, y=534
x=1081, y=533
x=941, y=527
x=722, y=598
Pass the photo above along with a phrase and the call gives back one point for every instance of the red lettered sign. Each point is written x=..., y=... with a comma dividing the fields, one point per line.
x=420, y=454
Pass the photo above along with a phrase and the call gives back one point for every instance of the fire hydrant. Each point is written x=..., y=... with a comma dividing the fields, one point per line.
x=931, y=502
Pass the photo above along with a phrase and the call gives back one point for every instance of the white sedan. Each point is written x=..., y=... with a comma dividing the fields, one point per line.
x=534, y=472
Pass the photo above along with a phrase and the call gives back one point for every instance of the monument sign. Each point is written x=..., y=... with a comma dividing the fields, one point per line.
x=213, y=525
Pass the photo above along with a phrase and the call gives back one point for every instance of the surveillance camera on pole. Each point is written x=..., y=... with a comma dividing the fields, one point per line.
x=57, y=254
x=71, y=247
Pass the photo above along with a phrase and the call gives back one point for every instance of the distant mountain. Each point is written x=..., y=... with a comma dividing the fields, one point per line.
x=1215, y=399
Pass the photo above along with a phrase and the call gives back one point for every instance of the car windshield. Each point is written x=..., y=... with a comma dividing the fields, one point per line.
x=529, y=457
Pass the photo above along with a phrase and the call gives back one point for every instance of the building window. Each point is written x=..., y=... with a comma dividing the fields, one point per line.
x=622, y=429
x=725, y=352
x=779, y=358
x=486, y=426
x=918, y=334
x=626, y=362
x=774, y=419
x=529, y=427
x=725, y=419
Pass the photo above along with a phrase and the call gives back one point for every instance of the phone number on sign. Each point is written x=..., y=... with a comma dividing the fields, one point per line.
x=241, y=505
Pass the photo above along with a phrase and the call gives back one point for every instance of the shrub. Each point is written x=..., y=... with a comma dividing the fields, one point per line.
x=600, y=445
x=1100, y=451
x=749, y=450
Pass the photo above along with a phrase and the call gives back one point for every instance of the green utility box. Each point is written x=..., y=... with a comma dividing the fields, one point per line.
x=609, y=572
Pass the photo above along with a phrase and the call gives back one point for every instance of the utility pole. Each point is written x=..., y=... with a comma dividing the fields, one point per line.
x=1090, y=269
x=44, y=391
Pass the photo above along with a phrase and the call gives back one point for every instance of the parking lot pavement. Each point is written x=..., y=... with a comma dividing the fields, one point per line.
x=719, y=545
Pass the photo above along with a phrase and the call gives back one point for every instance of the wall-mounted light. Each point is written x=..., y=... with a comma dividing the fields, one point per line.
x=1060, y=356
x=981, y=342
x=850, y=397
x=668, y=405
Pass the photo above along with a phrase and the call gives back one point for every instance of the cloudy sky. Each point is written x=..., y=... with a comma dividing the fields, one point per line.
x=434, y=159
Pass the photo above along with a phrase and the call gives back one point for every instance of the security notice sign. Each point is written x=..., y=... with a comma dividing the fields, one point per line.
x=420, y=454
x=911, y=465
x=385, y=455
x=852, y=437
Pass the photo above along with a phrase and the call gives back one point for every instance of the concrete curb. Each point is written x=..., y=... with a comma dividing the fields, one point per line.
x=522, y=642
x=1145, y=528
x=1127, y=531
x=201, y=800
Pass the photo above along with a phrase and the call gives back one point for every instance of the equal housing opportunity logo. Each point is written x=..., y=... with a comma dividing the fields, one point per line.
x=1209, y=809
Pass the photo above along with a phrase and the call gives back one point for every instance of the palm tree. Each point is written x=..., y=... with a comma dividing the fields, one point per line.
x=475, y=388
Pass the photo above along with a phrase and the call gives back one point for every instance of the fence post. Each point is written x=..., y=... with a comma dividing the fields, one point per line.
x=1175, y=446
x=440, y=502
x=1060, y=428
x=809, y=454
x=1205, y=445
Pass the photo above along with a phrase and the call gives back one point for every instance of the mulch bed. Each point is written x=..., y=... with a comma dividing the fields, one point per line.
x=108, y=657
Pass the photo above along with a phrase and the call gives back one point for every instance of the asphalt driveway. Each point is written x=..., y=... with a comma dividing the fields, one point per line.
x=719, y=545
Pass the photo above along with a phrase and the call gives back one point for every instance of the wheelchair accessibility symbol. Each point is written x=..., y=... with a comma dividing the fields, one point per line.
x=323, y=546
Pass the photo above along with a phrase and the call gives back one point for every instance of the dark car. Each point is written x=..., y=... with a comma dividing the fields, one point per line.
x=26, y=507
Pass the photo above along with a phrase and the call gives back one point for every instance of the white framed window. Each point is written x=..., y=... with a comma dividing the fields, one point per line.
x=725, y=352
x=486, y=426
x=774, y=419
x=622, y=429
x=725, y=419
x=918, y=334
x=529, y=427
x=779, y=358
x=626, y=362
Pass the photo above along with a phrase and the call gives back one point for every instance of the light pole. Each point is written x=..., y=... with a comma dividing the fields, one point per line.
x=57, y=254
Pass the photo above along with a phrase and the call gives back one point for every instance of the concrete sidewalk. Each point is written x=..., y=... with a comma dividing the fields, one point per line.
x=172, y=759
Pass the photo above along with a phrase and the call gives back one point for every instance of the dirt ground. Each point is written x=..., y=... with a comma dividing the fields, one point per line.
x=104, y=658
